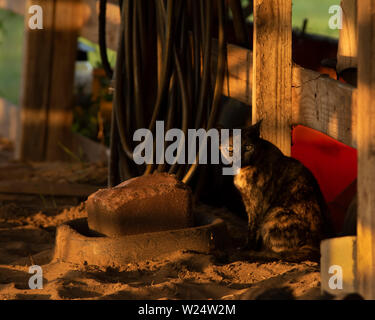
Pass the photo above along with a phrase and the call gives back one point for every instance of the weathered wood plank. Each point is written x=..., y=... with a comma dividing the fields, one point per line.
x=35, y=86
x=67, y=23
x=272, y=70
x=324, y=104
x=318, y=102
x=47, y=82
x=366, y=150
x=347, y=51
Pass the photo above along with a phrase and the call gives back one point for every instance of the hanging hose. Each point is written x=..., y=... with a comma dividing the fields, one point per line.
x=206, y=64
x=102, y=38
x=166, y=61
x=177, y=42
x=239, y=22
x=219, y=82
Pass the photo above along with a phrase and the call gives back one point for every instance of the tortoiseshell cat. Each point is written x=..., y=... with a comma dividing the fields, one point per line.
x=287, y=216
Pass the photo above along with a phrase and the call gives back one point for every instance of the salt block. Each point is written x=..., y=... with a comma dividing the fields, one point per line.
x=338, y=265
x=150, y=203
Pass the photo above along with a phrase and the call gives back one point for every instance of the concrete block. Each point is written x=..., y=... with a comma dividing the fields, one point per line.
x=75, y=243
x=150, y=203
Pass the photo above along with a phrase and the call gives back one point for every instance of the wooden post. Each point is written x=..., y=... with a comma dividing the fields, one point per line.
x=272, y=60
x=347, y=51
x=35, y=83
x=366, y=149
x=68, y=21
x=48, y=74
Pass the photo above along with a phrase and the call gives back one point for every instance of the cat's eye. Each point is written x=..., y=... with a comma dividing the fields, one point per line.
x=248, y=148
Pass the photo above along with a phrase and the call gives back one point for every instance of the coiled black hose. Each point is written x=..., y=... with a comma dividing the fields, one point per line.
x=177, y=41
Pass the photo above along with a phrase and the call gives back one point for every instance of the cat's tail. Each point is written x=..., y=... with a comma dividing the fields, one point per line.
x=305, y=253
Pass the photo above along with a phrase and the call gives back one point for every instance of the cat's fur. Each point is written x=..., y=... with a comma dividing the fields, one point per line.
x=287, y=215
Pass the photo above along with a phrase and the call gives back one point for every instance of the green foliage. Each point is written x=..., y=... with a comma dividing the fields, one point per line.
x=85, y=117
x=86, y=114
x=94, y=56
x=2, y=31
x=316, y=11
x=11, y=43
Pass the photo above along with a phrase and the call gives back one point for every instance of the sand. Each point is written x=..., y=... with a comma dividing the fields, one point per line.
x=181, y=275
x=27, y=234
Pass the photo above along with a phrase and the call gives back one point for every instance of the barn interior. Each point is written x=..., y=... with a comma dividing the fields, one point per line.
x=66, y=143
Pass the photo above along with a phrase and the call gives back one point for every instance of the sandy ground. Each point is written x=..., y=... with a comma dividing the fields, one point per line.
x=27, y=234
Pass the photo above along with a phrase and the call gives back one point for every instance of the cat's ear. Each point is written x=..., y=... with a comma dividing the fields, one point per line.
x=256, y=128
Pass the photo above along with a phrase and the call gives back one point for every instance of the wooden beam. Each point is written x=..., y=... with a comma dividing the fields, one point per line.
x=35, y=86
x=366, y=149
x=347, y=51
x=324, y=104
x=47, y=82
x=67, y=23
x=272, y=71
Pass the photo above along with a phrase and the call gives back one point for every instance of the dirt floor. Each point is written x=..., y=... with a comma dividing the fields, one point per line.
x=27, y=234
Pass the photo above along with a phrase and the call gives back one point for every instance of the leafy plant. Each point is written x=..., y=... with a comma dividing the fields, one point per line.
x=2, y=31
x=94, y=56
